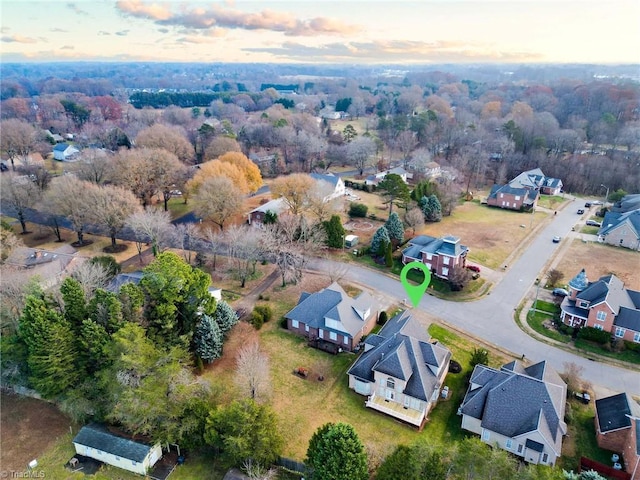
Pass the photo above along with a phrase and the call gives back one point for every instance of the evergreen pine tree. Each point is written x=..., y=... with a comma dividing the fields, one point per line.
x=106, y=310
x=425, y=206
x=75, y=307
x=388, y=256
x=94, y=341
x=225, y=317
x=381, y=235
x=395, y=228
x=207, y=339
x=435, y=209
x=335, y=231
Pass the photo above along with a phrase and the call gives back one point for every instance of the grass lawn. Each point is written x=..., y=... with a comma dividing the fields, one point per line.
x=552, y=202
x=589, y=230
x=177, y=207
x=625, y=355
x=581, y=438
x=548, y=307
x=599, y=260
x=491, y=234
x=537, y=321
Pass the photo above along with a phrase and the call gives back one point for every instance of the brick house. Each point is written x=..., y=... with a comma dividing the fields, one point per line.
x=330, y=316
x=441, y=255
x=256, y=216
x=605, y=304
x=522, y=192
x=617, y=424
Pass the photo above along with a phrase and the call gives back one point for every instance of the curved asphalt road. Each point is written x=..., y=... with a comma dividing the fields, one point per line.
x=491, y=317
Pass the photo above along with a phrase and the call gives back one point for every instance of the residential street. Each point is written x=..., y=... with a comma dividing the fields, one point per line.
x=491, y=317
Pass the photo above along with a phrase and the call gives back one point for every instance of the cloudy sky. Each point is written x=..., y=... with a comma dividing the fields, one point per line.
x=331, y=31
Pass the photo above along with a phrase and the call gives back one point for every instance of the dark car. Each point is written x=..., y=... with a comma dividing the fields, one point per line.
x=587, y=205
x=473, y=268
x=580, y=211
x=556, y=239
x=593, y=223
x=559, y=292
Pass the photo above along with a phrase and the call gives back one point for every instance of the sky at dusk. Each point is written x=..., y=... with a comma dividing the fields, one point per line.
x=323, y=31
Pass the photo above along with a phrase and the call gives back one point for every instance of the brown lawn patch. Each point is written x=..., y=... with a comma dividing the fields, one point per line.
x=599, y=260
x=29, y=428
x=491, y=234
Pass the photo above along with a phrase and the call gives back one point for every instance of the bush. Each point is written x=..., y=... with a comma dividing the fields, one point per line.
x=632, y=346
x=283, y=323
x=265, y=311
x=594, y=335
x=382, y=318
x=358, y=210
x=256, y=320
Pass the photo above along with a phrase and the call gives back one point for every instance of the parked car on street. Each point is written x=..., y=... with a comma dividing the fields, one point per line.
x=556, y=239
x=559, y=292
x=587, y=204
x=593, y=223
x=580, y=211
x=597, y=202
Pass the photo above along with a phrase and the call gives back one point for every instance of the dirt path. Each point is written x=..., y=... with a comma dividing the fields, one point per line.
x=249, y=300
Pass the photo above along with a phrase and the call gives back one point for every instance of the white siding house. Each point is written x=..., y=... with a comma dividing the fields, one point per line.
x=96, y=441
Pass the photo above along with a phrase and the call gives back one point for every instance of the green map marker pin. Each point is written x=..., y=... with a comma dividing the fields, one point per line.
x=415, y=292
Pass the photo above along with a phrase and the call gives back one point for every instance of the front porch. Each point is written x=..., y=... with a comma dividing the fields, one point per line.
x=396, y=410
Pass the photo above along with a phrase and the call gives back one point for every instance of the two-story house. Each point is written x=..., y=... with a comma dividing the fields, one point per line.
x=523, y=191
x=519, y=409
x=401, y=370
x=330, y=316
x=440, y=255
x=605, y=304
x=335, y=187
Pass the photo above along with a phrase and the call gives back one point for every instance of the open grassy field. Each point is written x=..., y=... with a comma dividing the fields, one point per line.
x=598, y=260
x=491, y=234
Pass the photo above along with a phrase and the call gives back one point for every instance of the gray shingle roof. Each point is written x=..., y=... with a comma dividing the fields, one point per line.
x=612, y=412
x=333, y=303
x=406, y=353
x=98, y=437
x=122, y=278
x=326, y=177
x=628, y=318
x=447, y=245
x=580, y=281
x=613, y=220
x=512, y=403
x=277, y=205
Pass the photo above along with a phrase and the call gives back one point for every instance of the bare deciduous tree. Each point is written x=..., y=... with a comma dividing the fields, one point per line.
x=150, y=226
x=94, y=165
x=361, y=152
x=18, y=193
x=572, y=375
x=111, y=207
x=414, y=218
x=255, y=471
x=320, y=203
x=185, y=237
x=66, y=197
x=17, y=139
x=91, y=276
x=171, y=139
x=244, y=247
x=218, y=200
x=252, y=372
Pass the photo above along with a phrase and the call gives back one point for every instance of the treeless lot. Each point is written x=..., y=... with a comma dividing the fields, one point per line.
x=491, y=234
x=29, y=428
x=598, y=260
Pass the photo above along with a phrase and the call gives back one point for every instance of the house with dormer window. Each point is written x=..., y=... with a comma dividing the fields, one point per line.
x=401, y=371
x=440, y=255
x=332, y=317
x=519, y=409
x=604, y=304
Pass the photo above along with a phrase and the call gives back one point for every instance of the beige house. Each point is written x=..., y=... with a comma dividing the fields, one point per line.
x=621, y=229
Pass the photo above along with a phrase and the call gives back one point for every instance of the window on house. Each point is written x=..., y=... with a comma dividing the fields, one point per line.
x=346, y=340
x=333, y=336
x=599, y=327
x=620, y=332
x=429, y=256
x=602, y=316
x=321, y=333
x=391, y=383
x=502, y=195
x=306, y=328
x=486, y=434
x=509, y=444
x=295, y=324
x=545, y=458
x=445, y=272
x=519, y=448
x=445, y=260
x=636, y=337
x=517, y=197
x=583, y=304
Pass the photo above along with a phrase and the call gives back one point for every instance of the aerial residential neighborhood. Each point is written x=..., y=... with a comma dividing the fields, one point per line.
x=287, y=241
